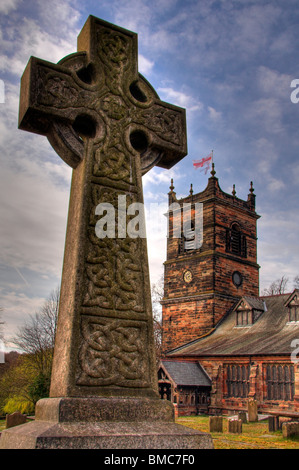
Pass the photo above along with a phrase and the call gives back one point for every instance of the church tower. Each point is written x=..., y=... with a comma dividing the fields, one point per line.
x=210, y=264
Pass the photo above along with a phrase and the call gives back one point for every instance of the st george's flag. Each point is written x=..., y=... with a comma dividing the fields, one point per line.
x=204, y=163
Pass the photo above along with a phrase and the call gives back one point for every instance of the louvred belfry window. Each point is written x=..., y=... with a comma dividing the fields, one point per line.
x=236, y=241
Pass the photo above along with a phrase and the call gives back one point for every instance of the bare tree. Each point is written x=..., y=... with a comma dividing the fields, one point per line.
x=296, y=282
x=277, y=287
x=36, y=337
x=157, y=292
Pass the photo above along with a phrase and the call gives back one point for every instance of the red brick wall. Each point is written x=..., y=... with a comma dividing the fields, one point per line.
x=192, y=309
x=220, y=403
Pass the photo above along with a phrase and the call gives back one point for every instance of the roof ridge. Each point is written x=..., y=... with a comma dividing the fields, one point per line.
x=276, y=295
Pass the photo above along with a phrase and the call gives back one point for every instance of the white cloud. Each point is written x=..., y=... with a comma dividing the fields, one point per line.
x=180, y=98
x=134, y=15
x=274, y=83
x=267, y=156
x=6, y=6
x=278, y=245
x=214, y=115
x=157, y=176
x=16, y=309
x=275, y=185
x=33, y=220
x=268, y=112
x=144, y=65
x=51, y=36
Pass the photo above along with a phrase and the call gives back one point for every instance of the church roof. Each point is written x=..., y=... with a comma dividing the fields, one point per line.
x=186, y=373
x=254, y=302
x=272, y=333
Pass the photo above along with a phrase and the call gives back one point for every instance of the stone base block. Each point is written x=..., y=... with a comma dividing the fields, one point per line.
x=143, y=435
x=104, y=423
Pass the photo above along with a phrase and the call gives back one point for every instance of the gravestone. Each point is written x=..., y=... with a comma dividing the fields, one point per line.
x=216, y=424
x=252, y=411
x=242, y=416
x=273, y=423
x=282, y=420
x=234, y=426
x=290, y=429
x=14, y=419
x=107, y=122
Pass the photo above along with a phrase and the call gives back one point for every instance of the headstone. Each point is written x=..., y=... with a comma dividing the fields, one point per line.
x=281, y=420
x=216, y=424
x=252, y=411
x=290, y=429
x=15, y=419
x=107, y=122
x=242, y=416
x=235, y=426
x=273, y=423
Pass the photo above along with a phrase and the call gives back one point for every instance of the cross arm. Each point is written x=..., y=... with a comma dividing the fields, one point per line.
x=51, y=99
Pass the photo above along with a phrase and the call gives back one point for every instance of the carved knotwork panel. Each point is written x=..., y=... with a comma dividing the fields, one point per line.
x=113, y=274
x=115, y=52
x=113, y=353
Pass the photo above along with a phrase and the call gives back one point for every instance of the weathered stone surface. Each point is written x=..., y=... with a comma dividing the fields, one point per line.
x=71, y=409
x=104, y=423
x=15, y=419
x=216, y=424
x=273, y=423
x=283, y=419
x=252, y=411
x=107, y=435
x=290, y=429
x=234, y=426
x=242, y=416
x=108, y=123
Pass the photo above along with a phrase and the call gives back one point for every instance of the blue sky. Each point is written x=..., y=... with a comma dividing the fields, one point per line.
x=229, y=63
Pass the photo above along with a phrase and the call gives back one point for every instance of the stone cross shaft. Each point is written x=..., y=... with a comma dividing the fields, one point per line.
x=107, y=122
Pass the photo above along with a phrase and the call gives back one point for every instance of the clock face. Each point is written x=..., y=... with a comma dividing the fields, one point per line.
x=188, y=276
x=237, y=278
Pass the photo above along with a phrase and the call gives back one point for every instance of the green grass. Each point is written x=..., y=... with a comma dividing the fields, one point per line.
x=2, y=424
x=254, y=435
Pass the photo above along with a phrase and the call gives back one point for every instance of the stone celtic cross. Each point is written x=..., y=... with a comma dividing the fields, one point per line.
x=107, y=122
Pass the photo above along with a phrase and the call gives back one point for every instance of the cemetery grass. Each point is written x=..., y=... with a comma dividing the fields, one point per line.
x=254, y=435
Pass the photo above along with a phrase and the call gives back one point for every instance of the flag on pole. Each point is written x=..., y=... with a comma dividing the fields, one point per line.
x=204, y=163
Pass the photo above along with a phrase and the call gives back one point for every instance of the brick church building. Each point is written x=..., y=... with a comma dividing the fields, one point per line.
x=222, y=343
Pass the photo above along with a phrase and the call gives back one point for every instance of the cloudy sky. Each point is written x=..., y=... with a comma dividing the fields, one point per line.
x=230, y=63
